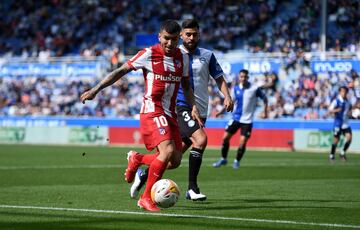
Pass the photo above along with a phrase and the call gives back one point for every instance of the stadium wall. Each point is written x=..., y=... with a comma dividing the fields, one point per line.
x=231, y=65
x=268, y=135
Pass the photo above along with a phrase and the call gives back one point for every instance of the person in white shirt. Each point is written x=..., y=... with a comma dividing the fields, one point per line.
x=340, y=107
x=245, y=96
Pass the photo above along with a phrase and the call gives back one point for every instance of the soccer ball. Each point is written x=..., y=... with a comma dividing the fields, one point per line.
x=165, y=193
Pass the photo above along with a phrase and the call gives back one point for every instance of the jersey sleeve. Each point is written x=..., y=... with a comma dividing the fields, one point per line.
x=233, y=94
x=139, y=60
x=215, y=69
x=332, y=105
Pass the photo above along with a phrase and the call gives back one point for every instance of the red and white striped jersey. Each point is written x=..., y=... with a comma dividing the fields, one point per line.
x=162, y=75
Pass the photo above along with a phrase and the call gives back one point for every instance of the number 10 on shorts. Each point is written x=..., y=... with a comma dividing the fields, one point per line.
x=161, y=121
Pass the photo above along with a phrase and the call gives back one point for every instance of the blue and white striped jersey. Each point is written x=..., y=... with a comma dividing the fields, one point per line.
x=341, y=118
x=245, y=101
x=203, y=64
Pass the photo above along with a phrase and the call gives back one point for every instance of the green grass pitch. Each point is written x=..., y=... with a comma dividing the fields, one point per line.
x=82, y=187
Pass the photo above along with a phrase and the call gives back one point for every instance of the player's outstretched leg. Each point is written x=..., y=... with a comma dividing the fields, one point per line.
x=134, y=162
x=332, y=153
x=348, y=137
x=224, y=150
x=224, y=153
x=240, y=153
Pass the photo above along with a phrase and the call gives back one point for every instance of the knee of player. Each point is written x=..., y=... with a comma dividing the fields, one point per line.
x=174, y=163
x=226, y=139
x=243, y=140
x=227, y=136
x=200, y=142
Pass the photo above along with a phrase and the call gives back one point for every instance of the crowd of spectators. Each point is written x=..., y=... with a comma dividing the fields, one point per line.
x=306, y=97
x=95, y=28
x=59, y=27
x=300, y=29
x=60, y=97
x=89, y=28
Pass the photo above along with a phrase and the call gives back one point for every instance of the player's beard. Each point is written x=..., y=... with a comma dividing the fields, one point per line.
x=191, y=46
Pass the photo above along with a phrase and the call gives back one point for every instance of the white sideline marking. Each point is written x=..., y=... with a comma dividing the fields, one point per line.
x=185, y=163
x=181, y=215
x=60, y=167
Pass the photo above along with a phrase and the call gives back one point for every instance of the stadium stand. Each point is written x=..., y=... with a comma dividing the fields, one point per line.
x=106, y=29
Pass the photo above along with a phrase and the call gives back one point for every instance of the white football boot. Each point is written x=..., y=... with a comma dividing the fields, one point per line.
x=191, y=195
x=137, y=185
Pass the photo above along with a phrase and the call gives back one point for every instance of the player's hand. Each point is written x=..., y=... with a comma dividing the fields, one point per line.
x=228, y=104
x=196, y=115
x=88, y=95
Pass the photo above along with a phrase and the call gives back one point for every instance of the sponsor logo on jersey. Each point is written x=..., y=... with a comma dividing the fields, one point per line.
x=167, y=78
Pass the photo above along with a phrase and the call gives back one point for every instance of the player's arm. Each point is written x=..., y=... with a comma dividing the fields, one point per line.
x=110, y=79
x=349, y=113
x=228, y=102
x=333, y=108
x=189, y=96
x=220, y=112
x=262, y=95
x=265, y=100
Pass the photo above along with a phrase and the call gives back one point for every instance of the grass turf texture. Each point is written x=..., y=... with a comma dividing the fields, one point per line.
x=289, y=190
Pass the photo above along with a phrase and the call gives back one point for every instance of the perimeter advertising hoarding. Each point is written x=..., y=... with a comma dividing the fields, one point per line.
x=279, y=139
x=55, y=135
x=321, y=140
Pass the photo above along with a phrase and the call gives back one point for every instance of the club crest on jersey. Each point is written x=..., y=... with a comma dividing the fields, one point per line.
x=162, y=131
x=202, y=60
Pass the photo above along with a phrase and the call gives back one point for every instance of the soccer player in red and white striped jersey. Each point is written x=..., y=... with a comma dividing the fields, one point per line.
x=164, y=68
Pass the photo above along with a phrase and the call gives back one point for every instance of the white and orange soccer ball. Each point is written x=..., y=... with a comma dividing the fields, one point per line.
x=165, y=193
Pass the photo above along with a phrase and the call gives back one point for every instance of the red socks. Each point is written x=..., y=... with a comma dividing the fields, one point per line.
x=156, y=171
x=148, y=158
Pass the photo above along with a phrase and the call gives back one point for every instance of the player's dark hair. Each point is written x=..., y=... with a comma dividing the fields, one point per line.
x=170, y=26
x=190, y=23
x=245, y=71
x=345, y=88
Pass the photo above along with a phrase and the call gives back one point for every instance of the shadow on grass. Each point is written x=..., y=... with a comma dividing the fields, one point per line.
x=238, y=204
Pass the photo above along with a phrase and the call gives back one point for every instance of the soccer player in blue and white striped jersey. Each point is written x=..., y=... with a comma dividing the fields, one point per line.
x=245, y=96
x=340, y=107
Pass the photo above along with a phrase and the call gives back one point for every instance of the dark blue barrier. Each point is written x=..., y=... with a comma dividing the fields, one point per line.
x=211, y=123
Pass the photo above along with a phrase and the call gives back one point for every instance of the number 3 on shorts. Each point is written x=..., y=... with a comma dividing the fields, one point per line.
x=160, y=121
x=186, y=116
